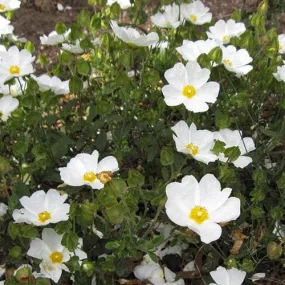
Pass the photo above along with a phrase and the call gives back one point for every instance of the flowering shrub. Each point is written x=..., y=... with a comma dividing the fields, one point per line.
x=143, y=156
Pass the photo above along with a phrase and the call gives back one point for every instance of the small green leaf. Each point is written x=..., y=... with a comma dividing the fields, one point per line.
x=166, y=156
x=135, y=178
x=232, y=153
x=70, y=241
x=75, y=84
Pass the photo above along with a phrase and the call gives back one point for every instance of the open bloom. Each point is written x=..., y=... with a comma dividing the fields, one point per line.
x=223, y=31
x=5, y=27
x=201, y=206
x=8, y=5
x=197, y=143
x=281, y=42
x=190, y=51
x=234, y=138
x=133, y=37
x=15, y=63
x=52, y=253
x=188, y=85
x=8, y=104
x=54, y=84
x=54, y=38
x=223, y=276
x=15, y=89
x=84, y=169
x=280, y=74
x=42, y=208
x=124, y=4
x=236, y=61
x=169, y=18
x=73, y=48
x=196, y=13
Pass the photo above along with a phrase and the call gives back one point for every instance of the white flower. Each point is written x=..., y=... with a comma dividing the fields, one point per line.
x=197, y=143
x=196, y=13
x=8, y=5
x=222, y=276
x=280, y=74
x=14, y=90
x=8, y=104
x=133, y=37
x=14, y=38
x=51, y=252
x=169, y=18
x=73, y=48
x=124, y=4
x=84, y=169
x=201, y=206
x=5, y=27
x=190, y=51
x=162, y=46
x=54, y=38
x=281, y=42
x=236, y=61
x=234, y=138
x=15, y=63
x=3, y=209
x=42, y=208
x=223, y=31
x=54, y=84
x=188, y=85
x=257, y=276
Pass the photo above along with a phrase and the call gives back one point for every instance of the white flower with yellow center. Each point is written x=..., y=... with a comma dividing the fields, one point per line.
x=190, y=51
x=15, y=89
x=8, y=104
x=15, y=63
x=188, y=85
x=42, y=208
x=73, y=48
x=280, y=74
x=5, y=27
x=197, y=143
x=54, y=38
x=133, y=37
x=53, y=83
x=52, y=253
x=281, y=43
x=169, y=18
x=201, y=206
x=124, y=4
x=9, y=5
x=3, y=209
x=234, y=138
x=223, y=276
x=84, y=169
x=236, y=61
x=196, y=13
x=223, y=31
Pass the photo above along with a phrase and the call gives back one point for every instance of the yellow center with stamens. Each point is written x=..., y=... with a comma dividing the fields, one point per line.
x=105, y=176
x=199, y=215
x=227, y=62
x=56, y=257
x=44, y=216
x=225, y=38
x=89, y=176
x=193, y=18
x=189, y=91
x=194, y=149
x=14, y=69
x=87, y=56
x=2, y=7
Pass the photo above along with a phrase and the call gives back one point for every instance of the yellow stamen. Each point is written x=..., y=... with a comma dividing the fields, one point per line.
x=44, y=216
x=87, y=56
x=89, y=176
x=105, y=176
x=193, y=18
x=199, y=214
x=2, y=7
x=225, y=38
x=194, y=149
x=189, y=91
x=14, y=69
x=56, y=257
x=227, y=62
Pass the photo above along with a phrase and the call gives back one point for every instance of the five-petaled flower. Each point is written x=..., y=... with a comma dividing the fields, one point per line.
x=224, y=276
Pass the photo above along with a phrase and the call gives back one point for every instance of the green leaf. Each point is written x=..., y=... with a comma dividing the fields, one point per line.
x=83, y=67
x=29, y=231
x=75, y=84
x=222, y=120
x=66, y=57
x=15, y=252
x=115, y=214
x=112, y=245
x=135, y=178
x=83, y=18
x=219, y=147
x=60, y=28
x=166, y=156
x=63, y=227
x=70, y=241
x=29, y=47
x=5, y=165
x=13, y=230
x=216, y=55
x=232, y=153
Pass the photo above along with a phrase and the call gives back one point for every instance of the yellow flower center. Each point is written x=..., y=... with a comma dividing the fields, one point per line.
x=44, y=216
x=12, y=91
x=193, y=18
x=87, y=56
x=225, y=38
x=2, y=7
x=14, y=69
x=189, y=91
x=194, y=149
x=199, y=214
x=227, y=62
x=89, y=176
x=56, y=257
x=105, y=176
